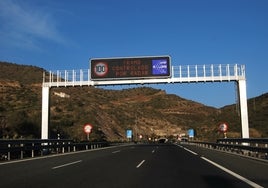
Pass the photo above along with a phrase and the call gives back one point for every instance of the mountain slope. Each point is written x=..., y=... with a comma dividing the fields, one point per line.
x=147, y=111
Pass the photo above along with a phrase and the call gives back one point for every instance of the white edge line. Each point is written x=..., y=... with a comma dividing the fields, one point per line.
x=67, y=164
x=190, y=151
x=140, y=163
x=251, y=183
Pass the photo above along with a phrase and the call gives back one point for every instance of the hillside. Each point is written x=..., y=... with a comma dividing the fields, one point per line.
x=147, y=111
x=24, y=74
x=257, y=114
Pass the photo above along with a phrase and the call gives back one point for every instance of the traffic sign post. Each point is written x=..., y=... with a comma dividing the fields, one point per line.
x=87, y=129
x=129, y=134
x=223, y=127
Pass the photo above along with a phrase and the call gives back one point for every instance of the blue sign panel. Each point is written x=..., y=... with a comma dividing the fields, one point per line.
x=160, y=67
x=191, y=133
x=129, y=133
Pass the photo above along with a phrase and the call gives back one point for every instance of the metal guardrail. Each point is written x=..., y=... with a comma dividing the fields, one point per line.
x=19, y=149
x=253, y=147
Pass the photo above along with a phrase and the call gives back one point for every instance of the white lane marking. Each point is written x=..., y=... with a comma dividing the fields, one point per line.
x=251, y=183
x=180, y=146
x=190, y=151
x=140, y=163
x=116, y=151
x=67, y=164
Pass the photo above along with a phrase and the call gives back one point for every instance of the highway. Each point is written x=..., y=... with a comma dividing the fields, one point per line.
x=136, y=165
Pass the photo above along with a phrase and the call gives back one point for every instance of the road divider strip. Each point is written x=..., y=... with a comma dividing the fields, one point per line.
x=249, y=182
x=67, y=164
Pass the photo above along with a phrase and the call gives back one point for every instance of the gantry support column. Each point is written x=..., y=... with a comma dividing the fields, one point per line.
x=45, y=112
x=243, y=107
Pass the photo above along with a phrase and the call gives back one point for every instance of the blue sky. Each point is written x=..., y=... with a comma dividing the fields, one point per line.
x=65, y=34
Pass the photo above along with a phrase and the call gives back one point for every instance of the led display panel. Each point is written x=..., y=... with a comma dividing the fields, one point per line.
x=130, y=68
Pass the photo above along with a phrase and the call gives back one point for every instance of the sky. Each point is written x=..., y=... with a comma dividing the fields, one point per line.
x=66, y=34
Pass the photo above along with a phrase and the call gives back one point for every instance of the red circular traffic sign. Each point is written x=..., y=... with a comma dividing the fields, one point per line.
x=223, y=127
x=100, y=69
x=87, y=128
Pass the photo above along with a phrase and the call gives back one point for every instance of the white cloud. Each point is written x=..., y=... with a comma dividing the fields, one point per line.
x=23, y=25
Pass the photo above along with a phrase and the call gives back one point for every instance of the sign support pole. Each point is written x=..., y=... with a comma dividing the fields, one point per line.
x=45, y=112
x=87, y=130
x=243, y=107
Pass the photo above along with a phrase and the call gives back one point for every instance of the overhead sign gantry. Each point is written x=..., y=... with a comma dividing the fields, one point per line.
x=144, y=70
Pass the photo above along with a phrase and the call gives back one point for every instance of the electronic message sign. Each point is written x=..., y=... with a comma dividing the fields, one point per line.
x=130, y=68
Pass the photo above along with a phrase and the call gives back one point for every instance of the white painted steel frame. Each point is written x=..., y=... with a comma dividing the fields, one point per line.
x=180, y=74
x=45, y=112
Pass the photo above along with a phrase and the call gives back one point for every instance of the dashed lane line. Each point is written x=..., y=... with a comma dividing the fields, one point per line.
x=138, y=166
x=67, y=164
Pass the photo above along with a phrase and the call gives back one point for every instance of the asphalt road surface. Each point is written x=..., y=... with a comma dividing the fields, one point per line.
x=137, y=166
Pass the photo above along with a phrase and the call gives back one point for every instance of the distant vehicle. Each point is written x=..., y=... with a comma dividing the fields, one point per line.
x=162, y=140
x=184, y=139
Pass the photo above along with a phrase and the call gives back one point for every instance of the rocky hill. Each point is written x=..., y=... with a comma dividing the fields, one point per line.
x=147, y=111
